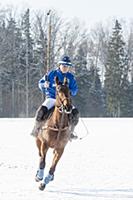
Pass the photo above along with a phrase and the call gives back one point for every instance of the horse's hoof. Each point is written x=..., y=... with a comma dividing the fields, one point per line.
x=42, y=186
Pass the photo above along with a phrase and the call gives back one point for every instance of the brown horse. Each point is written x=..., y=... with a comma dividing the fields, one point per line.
x=55, y=133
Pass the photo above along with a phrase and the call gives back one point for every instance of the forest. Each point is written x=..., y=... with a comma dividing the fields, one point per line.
x=31, y=44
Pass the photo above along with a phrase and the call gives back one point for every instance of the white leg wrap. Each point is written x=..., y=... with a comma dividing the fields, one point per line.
x=40, y=173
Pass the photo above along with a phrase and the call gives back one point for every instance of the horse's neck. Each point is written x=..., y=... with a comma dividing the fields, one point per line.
x=57, y=115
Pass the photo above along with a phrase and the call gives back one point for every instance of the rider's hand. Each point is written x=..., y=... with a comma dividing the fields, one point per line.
x=46, y=84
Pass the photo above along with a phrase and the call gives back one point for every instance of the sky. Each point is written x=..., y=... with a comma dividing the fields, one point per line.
x=88, y=11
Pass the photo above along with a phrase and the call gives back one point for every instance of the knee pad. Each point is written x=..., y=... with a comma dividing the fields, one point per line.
x=75, y=112
x=75, y=116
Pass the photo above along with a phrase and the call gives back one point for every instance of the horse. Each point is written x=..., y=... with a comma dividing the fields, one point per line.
x=55, y=134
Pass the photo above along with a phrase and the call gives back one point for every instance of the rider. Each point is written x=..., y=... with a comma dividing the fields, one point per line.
x=47, y=86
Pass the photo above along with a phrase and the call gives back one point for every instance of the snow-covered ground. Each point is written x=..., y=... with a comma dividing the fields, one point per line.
x=100, y=166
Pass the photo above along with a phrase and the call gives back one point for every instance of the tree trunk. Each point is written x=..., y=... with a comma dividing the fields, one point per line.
x=13, y=99
x=27, y=79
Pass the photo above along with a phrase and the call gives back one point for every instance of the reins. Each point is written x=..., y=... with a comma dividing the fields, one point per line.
x=63, y=112
x=61, y=106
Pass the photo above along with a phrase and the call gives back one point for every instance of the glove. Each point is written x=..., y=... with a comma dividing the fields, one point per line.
x=46, y=84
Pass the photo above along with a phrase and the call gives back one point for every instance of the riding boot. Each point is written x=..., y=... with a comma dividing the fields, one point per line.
x=74, y=121
x=41, y=113
x=40, y=117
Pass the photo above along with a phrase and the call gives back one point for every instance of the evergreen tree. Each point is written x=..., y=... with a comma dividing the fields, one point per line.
x=9, y=54
x=129, y=111
x=27, y=62
x=3, y=69
x=81, y=74
x=89, y=98
x=130, y=53
x=116, y=75
x=96, y=95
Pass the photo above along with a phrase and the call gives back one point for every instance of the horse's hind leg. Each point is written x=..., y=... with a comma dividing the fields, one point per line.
x=57, y=155
x=43, y=148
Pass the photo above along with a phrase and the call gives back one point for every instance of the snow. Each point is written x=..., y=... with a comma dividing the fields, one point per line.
x=99, y=166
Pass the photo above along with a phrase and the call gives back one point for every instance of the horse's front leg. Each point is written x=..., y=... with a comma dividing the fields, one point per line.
x=43, y=148
x=57, y=155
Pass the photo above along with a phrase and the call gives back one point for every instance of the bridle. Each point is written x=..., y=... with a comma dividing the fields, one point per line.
x=63, y=110
x=61, y=107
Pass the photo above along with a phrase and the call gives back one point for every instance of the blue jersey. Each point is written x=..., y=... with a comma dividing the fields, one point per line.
x=51, y=90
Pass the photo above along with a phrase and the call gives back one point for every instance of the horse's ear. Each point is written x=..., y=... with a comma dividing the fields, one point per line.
x=57, y=80
x=65, y=81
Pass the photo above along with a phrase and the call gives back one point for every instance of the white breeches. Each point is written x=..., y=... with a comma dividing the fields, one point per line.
x=49, y=103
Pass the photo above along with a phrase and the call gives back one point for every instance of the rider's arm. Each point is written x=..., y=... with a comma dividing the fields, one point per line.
x=73, y=86
x=44, y=81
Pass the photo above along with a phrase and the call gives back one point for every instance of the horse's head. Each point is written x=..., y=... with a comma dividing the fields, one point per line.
x=63, y=97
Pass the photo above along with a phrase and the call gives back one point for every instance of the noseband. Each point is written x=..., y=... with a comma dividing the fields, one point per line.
x=61, y=107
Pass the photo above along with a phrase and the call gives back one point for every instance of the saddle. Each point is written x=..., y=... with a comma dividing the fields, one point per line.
x=73, y=117
x=73, y=120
